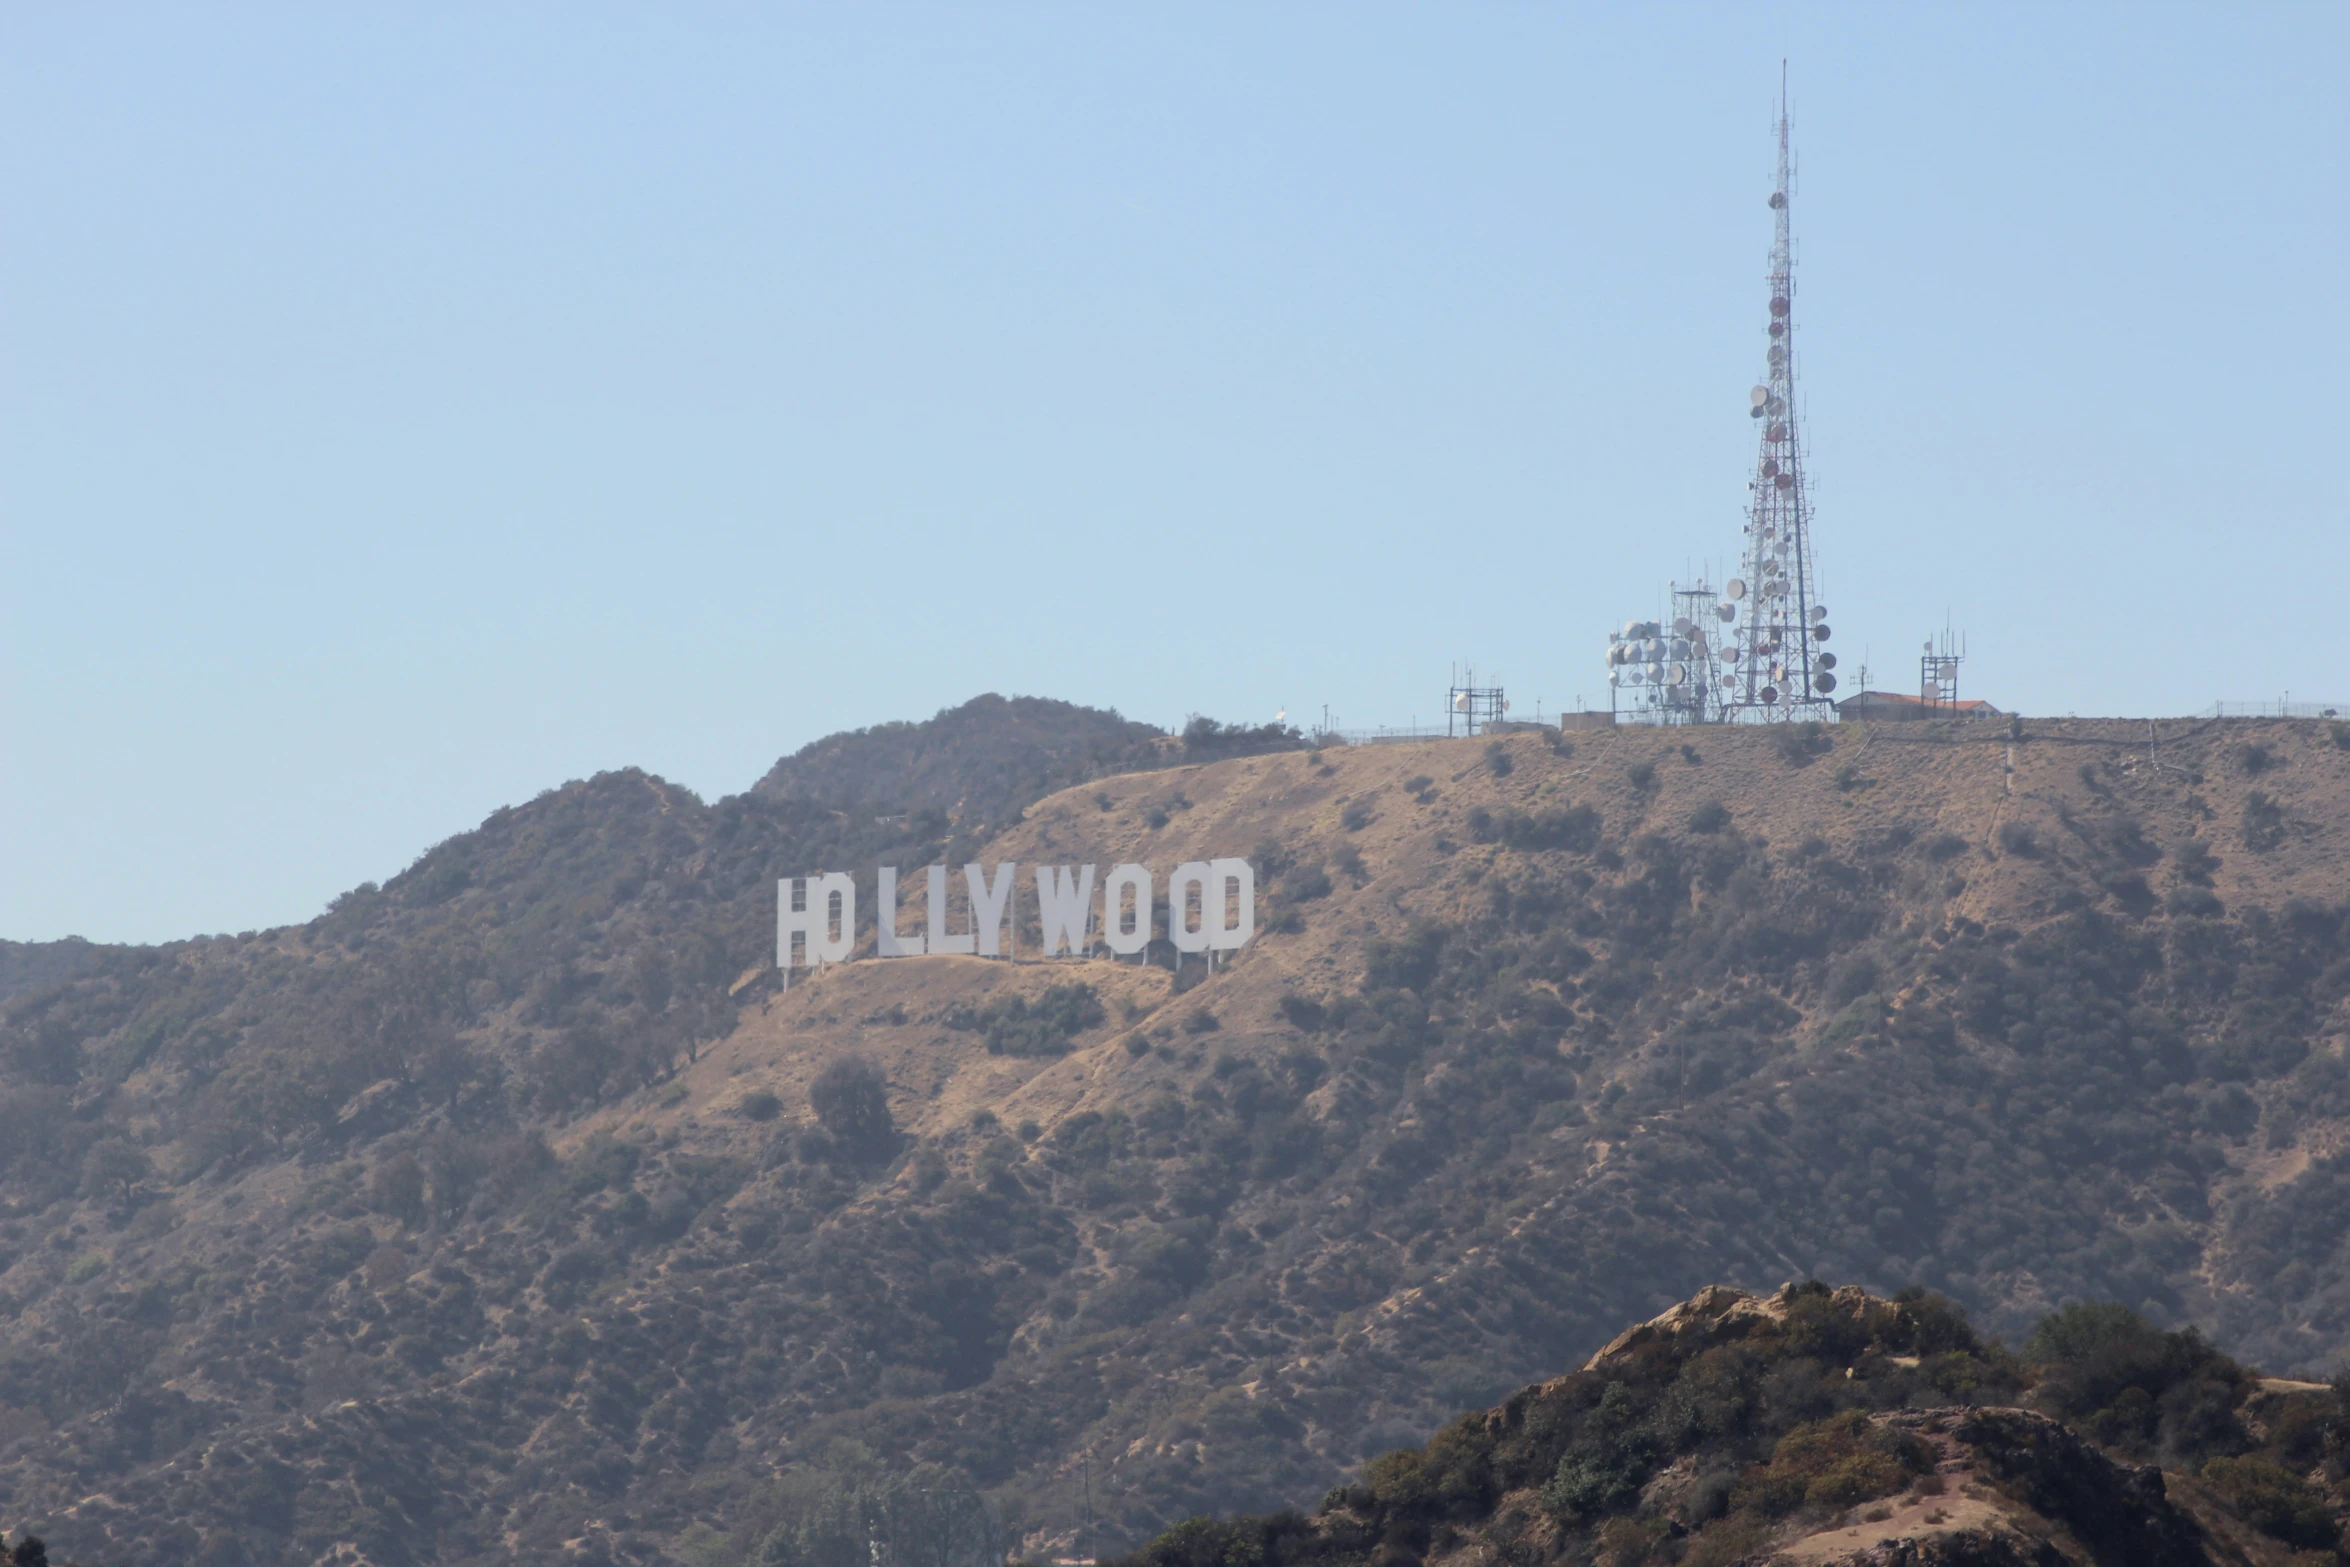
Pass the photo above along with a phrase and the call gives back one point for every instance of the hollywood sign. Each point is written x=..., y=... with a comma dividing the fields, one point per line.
x=1211, y=907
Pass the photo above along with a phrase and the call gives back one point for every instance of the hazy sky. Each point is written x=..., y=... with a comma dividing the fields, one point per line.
x=404, y=409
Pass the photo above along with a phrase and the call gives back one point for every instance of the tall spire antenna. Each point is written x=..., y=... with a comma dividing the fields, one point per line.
x=1779, y=660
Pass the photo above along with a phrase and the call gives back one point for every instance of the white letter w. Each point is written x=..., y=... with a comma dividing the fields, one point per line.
x=1064, y=906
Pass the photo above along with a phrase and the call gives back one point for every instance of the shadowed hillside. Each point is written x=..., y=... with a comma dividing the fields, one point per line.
x=980, y=762
x=509, y=1211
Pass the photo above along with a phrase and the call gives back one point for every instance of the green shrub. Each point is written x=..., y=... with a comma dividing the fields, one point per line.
x=2274, y=1500
x=1606, y=1467
x=1407, y=963
x=2135, y=1386
x=1303, y=1013
x=1306, y=883
x=1204, y=739
x=2263, y=825
x=1798, y=744
x=1575, y=828
x=1838, y=1462
x=850, y=1099
x=1015, y=1026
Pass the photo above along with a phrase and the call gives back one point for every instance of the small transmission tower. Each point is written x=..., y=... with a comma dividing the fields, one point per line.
x=1938, y=675
x=1470, y=708
x=1778, y=663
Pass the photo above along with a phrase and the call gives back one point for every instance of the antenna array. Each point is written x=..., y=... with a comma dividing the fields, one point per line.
x=1759, y=653
x=1778, y=663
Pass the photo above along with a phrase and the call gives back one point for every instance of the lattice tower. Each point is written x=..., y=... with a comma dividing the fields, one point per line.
x=1779, y=663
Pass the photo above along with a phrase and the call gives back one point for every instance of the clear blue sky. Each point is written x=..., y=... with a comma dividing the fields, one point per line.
x=404, y=409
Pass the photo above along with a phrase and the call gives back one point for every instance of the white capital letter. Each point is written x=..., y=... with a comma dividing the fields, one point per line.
x=1064, y=906
x=987, y=905
x=886, y=940
x=812, y=922
x=940, y=941
x=1190, y=874
x=1238, y=880
x=1115, y=933
x=822, y=942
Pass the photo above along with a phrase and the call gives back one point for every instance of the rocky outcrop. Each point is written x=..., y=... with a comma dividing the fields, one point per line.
x=2122, y=1516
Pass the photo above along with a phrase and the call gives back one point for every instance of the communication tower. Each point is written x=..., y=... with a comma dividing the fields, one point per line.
x=1776, y=663
x=1938, y=675
x=1666, y=672
x=1469, y=708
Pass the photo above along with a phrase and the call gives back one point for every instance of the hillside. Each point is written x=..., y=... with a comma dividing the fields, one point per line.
x=980, y=762
x=1819, y=1426
x=490, y=1216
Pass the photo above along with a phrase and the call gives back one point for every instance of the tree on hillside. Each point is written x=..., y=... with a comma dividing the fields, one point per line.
x=114, y=1167
x=395, y=1188
x=851, y=1101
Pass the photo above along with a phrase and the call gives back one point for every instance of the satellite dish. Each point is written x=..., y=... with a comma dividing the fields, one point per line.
x=1281, y=717
x=1819, y=612
x=1819, y=633
x=1460, y=702
x=1929, y=644
x=1505, y=704
x=1637, y=677
x=1615, y=677
x=1826, y=661
x=1770, y=466
x=1761, y=395
x=1779, y=305
x=1769, y=695
x=1825, y=682
x=1778, y=354
x=1684, y=626
x=1778, y=199
x=1680, y=675
x=1785, y=481
x=1725, y=611
x=1735, y=589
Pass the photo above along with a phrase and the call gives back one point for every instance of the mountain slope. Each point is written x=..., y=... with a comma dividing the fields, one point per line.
x=490, y=1215
x=1819, y=1426
x=979, y=762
